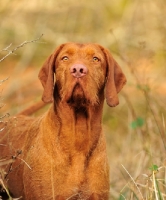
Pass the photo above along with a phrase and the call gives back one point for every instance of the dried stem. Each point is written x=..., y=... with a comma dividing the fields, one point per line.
x=16, y=48
x=133, y=182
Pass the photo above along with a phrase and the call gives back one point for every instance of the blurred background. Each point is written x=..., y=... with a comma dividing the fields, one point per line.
x=135, y=32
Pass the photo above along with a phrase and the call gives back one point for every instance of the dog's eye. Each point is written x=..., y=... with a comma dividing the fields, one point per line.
x=65, y=58
x=96, y=59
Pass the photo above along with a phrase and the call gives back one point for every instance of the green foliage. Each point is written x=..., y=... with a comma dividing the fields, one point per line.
x=144, y=88
x=139, y=122
x=121, y=197
x=158, y=190
x=154, y=168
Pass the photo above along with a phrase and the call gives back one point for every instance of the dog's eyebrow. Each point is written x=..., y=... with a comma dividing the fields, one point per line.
x=92, y=51
x=69, y=51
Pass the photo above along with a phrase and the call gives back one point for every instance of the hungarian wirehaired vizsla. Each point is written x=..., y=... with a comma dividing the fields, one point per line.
x=62, y=154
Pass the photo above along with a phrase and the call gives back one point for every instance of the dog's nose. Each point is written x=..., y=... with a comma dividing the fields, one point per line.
x=78, y=70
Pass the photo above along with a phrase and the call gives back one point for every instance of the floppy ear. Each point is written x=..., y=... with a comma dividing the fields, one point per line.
x=46, y=76
x=115, y=80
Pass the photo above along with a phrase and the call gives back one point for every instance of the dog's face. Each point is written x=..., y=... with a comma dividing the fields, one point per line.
x=81, y=73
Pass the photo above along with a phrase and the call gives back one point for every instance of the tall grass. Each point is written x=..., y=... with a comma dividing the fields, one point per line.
x=3, y=187
x=139, y=172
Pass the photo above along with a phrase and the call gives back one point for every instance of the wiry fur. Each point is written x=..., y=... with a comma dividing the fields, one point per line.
x=62, y=155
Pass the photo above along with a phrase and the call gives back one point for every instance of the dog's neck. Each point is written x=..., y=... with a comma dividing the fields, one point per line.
x=79, y=128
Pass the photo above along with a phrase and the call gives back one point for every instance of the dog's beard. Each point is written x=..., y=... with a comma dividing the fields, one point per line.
x=76, y=94
x=78, y=98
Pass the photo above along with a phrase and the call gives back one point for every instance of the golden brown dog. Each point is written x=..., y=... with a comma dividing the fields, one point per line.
x=62, y=155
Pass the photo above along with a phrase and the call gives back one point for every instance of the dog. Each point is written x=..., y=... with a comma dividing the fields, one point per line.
x=62, y=154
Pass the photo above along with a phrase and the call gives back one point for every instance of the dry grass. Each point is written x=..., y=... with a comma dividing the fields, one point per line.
x=135, y=31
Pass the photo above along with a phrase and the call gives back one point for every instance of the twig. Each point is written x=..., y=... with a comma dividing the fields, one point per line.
x=3, y=185
x=151, y=189
x=6, y=49
x=19, y=46
x=7, y=191
x=11, y=163
x=5, y=162
x=25, y=163
x=2, y=81
x=3, y=116
x=133, y=182
x=155, y=187
x=72, y=196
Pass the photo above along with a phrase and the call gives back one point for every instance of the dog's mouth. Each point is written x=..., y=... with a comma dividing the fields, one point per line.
x=77, y=93
x=77, y=97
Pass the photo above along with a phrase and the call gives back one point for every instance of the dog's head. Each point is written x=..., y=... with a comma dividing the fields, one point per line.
x=81, y=71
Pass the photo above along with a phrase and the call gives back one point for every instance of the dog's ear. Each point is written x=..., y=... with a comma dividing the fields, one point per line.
x=115, y=80
x=46, y=76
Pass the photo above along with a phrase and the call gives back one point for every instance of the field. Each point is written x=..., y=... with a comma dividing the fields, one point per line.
x=135, y=33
